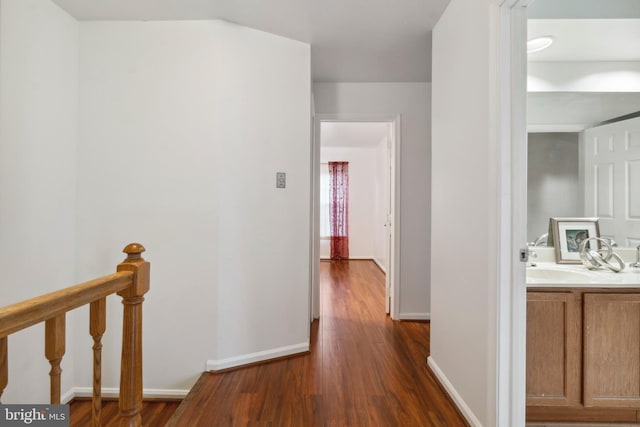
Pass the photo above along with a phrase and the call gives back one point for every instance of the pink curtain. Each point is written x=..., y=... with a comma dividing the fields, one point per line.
x=339, y=209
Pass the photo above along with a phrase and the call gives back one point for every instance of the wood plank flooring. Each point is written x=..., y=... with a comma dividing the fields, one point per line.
x=363, y=369
x=154, y=413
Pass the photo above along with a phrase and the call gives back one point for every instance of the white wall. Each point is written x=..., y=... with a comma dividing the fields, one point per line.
x=411, y=102
x=38, y=122
x=572, y=96
x=169, y=134
x=465, y=206
x=183, y=127
x=363, y=173
x=553, y=185
x=578, y=76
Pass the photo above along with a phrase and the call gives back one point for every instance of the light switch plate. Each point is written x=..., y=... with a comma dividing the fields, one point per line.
x=281, y=180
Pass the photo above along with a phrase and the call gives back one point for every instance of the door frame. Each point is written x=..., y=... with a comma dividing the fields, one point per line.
x=510, y=115
x=394, y=259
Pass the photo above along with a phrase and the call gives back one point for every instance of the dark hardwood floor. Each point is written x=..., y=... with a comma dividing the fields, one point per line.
x=363, y=370
x=154, y=413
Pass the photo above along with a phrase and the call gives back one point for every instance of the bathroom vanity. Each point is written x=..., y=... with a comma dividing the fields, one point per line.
x=583, y=344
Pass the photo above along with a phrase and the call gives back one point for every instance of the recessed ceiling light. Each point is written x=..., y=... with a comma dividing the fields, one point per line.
x=539, y=43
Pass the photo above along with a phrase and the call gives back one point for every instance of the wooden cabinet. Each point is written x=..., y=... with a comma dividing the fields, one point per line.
x=553, y=349
x=612, y=350
x=583, y=355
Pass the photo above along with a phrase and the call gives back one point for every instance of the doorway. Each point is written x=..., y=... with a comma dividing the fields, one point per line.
x=574, y=86
x=370, y=145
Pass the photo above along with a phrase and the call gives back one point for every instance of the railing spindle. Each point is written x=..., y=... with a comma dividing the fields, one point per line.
x=54, y=350
x=97, y=326
x=131, y=363
x=4, y=365
x=131, y=282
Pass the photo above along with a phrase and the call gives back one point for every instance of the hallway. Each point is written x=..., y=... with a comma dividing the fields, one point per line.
x=363, y=369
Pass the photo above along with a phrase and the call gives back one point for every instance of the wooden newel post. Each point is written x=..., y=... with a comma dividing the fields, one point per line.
x=131, y=363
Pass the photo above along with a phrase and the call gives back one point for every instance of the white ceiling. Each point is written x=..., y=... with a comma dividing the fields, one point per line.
x=351, y=41
x=584, y=9
x=587, y=39
x=352, y=134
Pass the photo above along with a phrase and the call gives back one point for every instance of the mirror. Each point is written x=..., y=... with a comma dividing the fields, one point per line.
x=590, y=75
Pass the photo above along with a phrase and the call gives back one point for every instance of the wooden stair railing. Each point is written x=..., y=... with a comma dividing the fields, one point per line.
x=131, y=282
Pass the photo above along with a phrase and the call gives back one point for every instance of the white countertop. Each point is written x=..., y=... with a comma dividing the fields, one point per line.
x=549, y=274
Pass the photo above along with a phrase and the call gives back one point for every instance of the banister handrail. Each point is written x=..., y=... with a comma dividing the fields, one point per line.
x=131, y=282
x=21, y=315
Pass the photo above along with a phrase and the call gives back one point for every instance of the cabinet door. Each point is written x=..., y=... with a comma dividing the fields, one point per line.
x=553, y=349
x=612, y=350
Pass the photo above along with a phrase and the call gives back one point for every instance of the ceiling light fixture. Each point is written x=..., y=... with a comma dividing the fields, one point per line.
x=539, y=43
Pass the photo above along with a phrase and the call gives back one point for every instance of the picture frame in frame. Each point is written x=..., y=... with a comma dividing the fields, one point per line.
x=566, y=234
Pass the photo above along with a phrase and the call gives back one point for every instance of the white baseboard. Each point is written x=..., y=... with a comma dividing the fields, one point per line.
x=67, y=396
x=246, y=359
x=114, y=392
x=457, y=399
x=414, y=316
x=379, y=264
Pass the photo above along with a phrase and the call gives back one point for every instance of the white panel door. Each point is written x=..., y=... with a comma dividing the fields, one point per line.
x=612, y=179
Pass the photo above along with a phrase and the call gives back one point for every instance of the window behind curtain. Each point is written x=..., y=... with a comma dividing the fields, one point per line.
x=339, y=209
